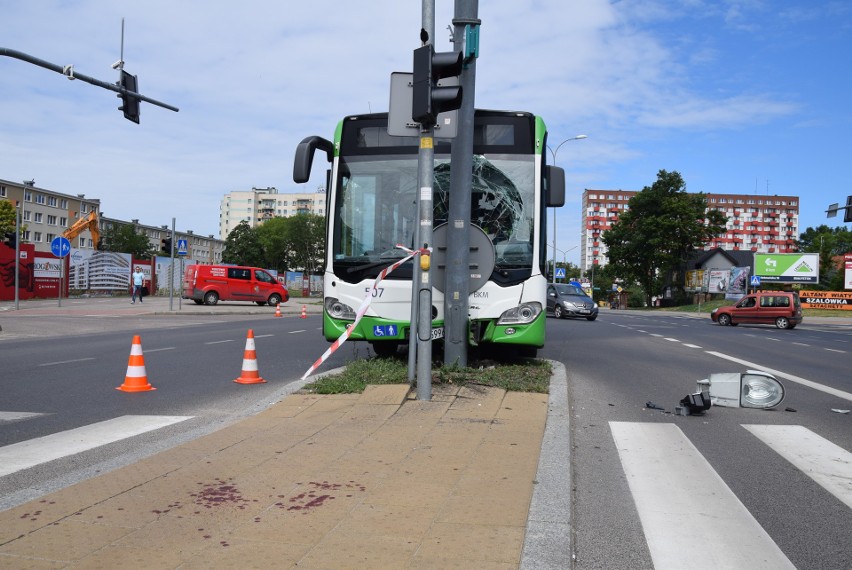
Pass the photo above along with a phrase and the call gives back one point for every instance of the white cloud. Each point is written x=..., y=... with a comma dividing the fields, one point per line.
x=253, y=78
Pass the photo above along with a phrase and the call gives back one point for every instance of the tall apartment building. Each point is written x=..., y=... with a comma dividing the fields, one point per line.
x=47, y=214
x=757, y=223
x=257, y=205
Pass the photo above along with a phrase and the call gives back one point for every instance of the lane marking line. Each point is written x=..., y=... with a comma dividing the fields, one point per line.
x=40, y=450
x=65, y=361
x=679, y=496
x=219, y=341
x=15, y=416
x=791, y=377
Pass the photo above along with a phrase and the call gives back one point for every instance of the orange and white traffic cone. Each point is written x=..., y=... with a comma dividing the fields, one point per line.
x=136, y=379
x=278, y=310
x=249, y=374
x=304, y=314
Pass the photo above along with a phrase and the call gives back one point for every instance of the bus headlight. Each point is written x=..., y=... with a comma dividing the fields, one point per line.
x=520, y=315
x=338, y=310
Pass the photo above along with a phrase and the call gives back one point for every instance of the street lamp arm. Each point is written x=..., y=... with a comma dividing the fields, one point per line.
x=554, y=152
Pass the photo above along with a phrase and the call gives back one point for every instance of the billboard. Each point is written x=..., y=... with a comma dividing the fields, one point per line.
x=787, y=267
x=847, y=275
x=836, y=300
x=717, y=280
x=694, y=280
x=738, y=283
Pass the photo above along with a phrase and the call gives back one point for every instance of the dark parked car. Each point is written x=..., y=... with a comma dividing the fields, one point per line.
x=564, y=300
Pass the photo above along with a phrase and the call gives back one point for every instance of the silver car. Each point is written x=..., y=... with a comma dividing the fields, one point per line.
x=564, y=300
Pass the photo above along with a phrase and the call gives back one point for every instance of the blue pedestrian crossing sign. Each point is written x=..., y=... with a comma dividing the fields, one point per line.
x=60, y=246
x=560, y=273
x=755, y=280
x=182, y=248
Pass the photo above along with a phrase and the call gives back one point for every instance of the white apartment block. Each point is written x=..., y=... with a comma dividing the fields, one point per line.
x=47, y=214
x=206, y=250
x=756, y=223
x=257, y=205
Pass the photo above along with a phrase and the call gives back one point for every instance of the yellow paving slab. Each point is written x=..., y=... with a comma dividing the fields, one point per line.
x=379, y=480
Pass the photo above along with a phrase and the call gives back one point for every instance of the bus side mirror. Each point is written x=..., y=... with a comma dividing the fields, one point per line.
x=554, y=180
x=305, y=157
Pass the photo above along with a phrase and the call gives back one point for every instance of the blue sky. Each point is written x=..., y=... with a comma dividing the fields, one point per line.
x=739, y=96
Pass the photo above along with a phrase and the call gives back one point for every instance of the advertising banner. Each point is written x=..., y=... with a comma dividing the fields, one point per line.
x=718, y=280
x=836, y=300
x=787, y=267
x=165, y=273
x=738, y=285
x=99, y=270
x=694, y=280
x=847, y=276
x=25, y=272
x=46, y=268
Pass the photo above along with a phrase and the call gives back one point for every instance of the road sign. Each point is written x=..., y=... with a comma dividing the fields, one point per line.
x=384, y=330
x=182, y=248
x=560, y=273
x=60, y=246
x=755, y=280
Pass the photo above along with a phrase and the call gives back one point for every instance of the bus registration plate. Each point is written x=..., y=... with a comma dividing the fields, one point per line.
x=437, y=333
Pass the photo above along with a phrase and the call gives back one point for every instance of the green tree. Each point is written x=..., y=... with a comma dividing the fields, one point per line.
x=656, y=234
x=294, y=243
x=829, y=243
x=242, y=247
x=7, y=217
x=272, y=236
x=125, y=238
x=307, y=241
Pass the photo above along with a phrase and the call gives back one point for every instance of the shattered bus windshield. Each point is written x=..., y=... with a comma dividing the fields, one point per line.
x=377, y=209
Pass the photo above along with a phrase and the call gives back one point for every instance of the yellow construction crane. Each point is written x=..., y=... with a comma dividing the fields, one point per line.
x=90, y=223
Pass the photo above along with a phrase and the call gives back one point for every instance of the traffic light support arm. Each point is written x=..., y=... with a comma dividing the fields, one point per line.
x=68, y=71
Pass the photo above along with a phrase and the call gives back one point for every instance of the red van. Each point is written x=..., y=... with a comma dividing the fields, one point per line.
x=208, y=284
x=781, y=308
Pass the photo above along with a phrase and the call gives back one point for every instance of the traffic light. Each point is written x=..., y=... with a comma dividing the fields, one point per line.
x=167, y=245
x=11, y=238
x=847, y=213
x=429, y=99
x=129, y=104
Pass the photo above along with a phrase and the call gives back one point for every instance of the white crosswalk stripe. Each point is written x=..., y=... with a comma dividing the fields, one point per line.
x=826, y=463
x=670, y=482
x=40, y=450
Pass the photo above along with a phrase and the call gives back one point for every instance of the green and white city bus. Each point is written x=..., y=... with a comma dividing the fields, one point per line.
x=372, y=193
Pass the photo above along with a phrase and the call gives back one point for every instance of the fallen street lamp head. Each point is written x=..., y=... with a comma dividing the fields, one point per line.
x=750, y=389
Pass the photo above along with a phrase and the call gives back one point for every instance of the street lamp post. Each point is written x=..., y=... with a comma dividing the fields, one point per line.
x=553, y=154
x=564, y=259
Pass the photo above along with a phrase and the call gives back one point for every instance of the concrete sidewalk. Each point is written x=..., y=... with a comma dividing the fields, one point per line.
x=378, y=480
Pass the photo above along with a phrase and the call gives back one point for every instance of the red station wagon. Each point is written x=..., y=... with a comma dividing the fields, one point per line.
x=781, y=308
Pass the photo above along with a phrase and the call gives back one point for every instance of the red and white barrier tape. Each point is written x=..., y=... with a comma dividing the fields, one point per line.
x=365, y=304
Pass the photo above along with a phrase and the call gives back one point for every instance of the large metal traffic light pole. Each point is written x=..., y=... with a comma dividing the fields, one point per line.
x=457, y=288
x=422, y=329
